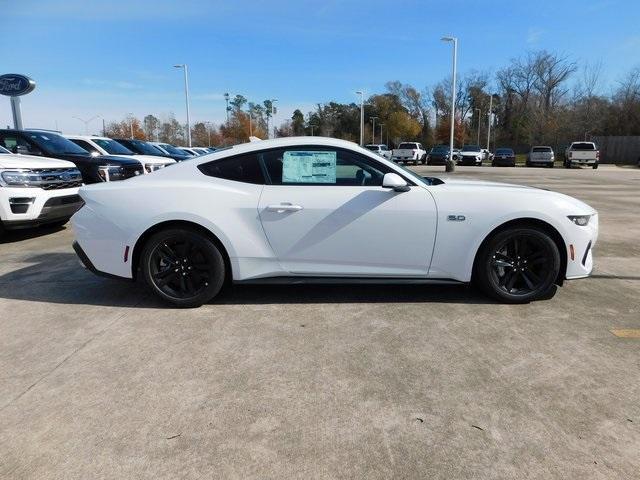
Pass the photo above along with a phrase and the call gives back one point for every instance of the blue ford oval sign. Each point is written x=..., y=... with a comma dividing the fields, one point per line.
x=14, y=85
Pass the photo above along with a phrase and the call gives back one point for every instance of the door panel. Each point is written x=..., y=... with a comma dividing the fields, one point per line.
x=349, y=230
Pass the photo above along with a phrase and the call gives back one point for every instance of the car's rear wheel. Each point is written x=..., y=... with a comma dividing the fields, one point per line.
x=183, y=267
x=595, y=165
x=518, y=265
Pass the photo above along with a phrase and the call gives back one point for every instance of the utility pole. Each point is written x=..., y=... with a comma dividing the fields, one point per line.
x=273, y=115
x=186, y=97
x=381, y=125
x=489, y=121
x=479, y=117
x=361, y=93
x=226, y=99
x=373, y=130
x=450, y=165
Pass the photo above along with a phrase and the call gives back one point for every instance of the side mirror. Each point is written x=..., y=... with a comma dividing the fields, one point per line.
x=95, y=153
x=396, y=182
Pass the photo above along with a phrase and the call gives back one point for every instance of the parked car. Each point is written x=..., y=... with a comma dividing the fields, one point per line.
x=470, y=155
x=94, y=169
x=504, y=157
x=438, y=155
x=409, y=152
x=380, y=149
x=540, y=156
x=269, y=212
x=172, y=151
x=106, y=146
x=582, y=153
x=36, y=190
x=189, y=151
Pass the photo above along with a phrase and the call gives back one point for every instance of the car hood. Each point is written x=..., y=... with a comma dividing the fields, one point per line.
x=32, y=161
x=477, y=186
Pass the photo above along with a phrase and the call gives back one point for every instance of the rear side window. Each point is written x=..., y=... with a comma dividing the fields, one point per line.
x=243, y=168
x=583, y=146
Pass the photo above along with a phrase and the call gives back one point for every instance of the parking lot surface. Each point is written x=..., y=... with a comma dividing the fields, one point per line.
x=100, y=380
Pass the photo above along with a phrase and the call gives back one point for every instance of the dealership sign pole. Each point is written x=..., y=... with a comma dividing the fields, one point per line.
x=14, y=85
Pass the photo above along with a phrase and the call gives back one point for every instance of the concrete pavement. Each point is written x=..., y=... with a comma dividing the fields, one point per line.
x=100, y=380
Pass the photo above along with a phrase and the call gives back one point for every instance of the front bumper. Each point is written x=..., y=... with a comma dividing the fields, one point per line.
x=582, y=240
x=31, y=207
x=469, y=161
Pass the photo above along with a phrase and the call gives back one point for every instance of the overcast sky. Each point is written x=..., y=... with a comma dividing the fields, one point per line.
x=111, y=58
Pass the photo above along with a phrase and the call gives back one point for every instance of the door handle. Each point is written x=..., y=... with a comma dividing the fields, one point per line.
x=284, y=207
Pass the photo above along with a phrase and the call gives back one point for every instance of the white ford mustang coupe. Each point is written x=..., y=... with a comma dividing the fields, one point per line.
x=311, y=209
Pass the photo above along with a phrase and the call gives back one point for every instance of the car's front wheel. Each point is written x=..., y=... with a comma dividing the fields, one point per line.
x=183, y=267
x=518, y=265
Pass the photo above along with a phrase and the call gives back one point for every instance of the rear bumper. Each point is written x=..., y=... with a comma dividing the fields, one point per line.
x=576, y=161
x=86, y=263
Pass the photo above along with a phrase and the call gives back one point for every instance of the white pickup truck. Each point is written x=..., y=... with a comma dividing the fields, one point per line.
x=409, y=152
x=582, y=153
x=36, y=190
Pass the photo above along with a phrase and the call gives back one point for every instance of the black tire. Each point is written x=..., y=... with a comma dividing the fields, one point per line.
x=423, y=160
x=183, y=267
x=567, y=164
x=551, y=165
x=518, y=265
x=595, y=166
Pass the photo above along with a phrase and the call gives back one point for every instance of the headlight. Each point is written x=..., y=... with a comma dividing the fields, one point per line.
x=109, y=173
x=152, y=167
x=580, y=220
x=18, y=178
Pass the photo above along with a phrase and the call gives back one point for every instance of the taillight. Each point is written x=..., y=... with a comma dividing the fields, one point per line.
x=597, y=154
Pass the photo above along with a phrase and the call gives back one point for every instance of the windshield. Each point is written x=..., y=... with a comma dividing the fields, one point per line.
x=440, y=149
x=173, y=150
x=541, y=149
x=583, y=146
x=373, y=148
x=504, y=151
x=55, y=144
x=407, y=146
x=413, y=175
x=4, y=150
x=112, y=147
x=470, y=148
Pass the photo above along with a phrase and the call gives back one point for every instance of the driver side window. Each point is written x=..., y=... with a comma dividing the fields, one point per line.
x=316, y=165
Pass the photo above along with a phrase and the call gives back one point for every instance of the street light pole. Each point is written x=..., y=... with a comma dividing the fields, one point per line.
x=373, y=130
x=479, y=117
x=361, y=93
x=131, y=125
x=226, y=99
x=381, y=125
x=489, y=121
x=87, y=122
x=450, y=165
x=186, y=98
x=208, y=125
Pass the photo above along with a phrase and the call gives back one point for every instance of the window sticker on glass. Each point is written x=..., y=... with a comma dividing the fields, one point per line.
x=309, y=167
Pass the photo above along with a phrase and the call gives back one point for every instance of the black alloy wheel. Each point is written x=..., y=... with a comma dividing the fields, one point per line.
x=518, y=265
x=183, y=267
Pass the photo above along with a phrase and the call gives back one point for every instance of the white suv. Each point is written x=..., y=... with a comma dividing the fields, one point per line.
x=380, y=149
x=106, y=146
x=36, y=190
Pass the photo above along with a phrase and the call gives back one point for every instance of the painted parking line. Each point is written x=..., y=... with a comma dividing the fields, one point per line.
x=626, y=332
